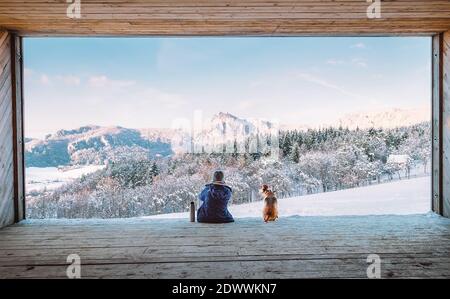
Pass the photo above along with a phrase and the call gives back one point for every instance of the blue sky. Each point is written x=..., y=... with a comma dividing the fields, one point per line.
x=149, y=82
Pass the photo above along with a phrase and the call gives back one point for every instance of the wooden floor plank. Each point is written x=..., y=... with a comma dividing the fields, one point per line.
x=410, y=246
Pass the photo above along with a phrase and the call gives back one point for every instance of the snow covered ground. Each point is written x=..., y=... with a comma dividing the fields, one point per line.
x=396, y=198
x=38, y=178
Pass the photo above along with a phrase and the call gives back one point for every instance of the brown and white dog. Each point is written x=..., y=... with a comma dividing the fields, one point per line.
x=270, y=210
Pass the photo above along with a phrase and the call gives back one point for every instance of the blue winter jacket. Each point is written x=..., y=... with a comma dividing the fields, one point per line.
x=214, y=207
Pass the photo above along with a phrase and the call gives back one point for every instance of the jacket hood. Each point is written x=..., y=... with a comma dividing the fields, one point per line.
x=218, y=187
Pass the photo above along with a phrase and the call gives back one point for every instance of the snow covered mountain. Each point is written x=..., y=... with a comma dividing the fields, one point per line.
x=96, y=144
x=91, y=145
x=158, y=134
x=225, y=128
x=389, y=118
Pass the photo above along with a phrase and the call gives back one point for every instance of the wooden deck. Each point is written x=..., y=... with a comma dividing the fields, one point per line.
x=295, y=247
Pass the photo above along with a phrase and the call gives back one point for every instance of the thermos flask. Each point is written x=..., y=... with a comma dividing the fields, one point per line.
x=192, y=210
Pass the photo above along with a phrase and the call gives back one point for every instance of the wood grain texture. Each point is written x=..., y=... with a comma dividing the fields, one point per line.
x=446, y=123
x=436, y=176
x=414, y=246
x=17, y=124
x=229, y=17
x=6, y=133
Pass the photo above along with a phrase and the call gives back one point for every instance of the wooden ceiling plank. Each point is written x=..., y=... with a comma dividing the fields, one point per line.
x=217, y=17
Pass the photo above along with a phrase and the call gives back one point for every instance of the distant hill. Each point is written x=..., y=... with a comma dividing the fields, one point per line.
x=381, y=118
x=389, y=118
x=91, y=145
x=97, y=145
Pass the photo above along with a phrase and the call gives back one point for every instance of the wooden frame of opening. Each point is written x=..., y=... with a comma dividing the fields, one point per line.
x=441, y=98
x=441, y=124
x=216, y=18
x=18, y=132
x=12, y=189
x=436, y=177
x=440, y=111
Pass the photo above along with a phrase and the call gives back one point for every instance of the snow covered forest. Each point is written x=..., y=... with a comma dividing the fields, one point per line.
x=312, y=161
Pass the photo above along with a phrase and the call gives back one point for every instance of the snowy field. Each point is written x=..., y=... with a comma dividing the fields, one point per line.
x=38, y=178
x=396, y=198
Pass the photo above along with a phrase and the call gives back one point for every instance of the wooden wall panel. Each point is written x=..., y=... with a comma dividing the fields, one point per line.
x=6, y=133
x=225, y=17
x=436, y=175
x=17, y=123
x=446, y=123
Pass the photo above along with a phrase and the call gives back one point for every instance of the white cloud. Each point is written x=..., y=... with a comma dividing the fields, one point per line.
x=98, y=81
x=244, y=105
x=27, y=72
x=324, y=83
x=335, y=62
x=359, y=62
x=168, y=100
x=104, y=81
x=282, y=82
x=69, y=80
x=44, y=79
x=358, y=46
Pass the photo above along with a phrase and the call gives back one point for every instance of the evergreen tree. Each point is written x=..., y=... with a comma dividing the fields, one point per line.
x=295, y=153
x=235, y=149
x=154, y=170
x=286, y=145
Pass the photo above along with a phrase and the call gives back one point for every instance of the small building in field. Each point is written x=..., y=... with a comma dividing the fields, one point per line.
x=398, y=159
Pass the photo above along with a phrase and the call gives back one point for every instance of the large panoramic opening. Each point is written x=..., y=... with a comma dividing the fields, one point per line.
x=135, y=127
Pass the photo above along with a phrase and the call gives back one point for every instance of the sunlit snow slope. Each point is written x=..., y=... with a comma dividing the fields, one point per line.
x=399, y=198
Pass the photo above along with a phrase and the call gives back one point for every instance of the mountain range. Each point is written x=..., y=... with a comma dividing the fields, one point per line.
x=96, y=145
x=388, y=118
x=91, y=145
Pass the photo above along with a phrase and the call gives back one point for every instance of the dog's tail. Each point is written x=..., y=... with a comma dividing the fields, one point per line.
x=270, y=214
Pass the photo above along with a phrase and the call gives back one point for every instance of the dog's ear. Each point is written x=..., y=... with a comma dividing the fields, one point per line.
x=264, y=188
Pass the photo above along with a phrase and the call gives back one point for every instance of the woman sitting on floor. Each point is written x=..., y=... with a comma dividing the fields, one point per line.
x=215, y=199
